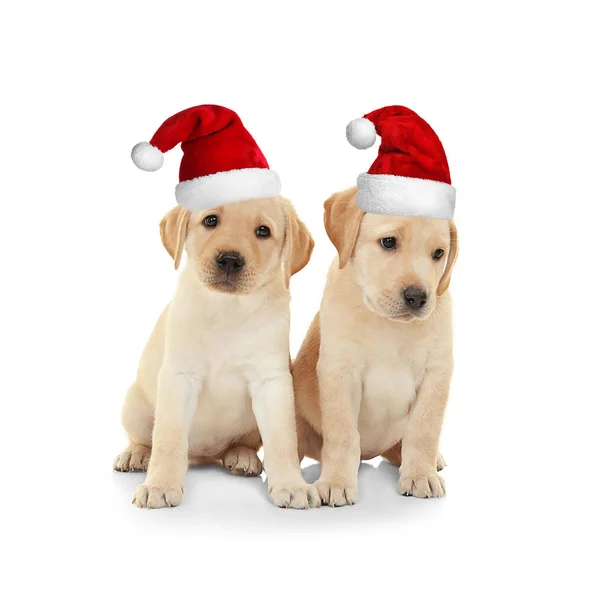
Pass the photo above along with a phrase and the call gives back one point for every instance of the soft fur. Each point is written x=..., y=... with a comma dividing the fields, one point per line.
x=372, y=378
x=214, y=378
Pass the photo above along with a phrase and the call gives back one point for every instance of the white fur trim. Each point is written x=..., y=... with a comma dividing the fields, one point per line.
x=147, y=157
x=361, y=133
x=405, y=196
x=227, y=187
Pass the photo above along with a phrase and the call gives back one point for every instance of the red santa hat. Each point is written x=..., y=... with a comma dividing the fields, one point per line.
x=410, y=176
x=221, y=163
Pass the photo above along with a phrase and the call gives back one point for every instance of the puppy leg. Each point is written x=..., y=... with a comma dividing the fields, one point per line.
x=241, y=458
x=137, y=418
x=341, y=395
x=273, y=405
x=420, y=445
x=177, y=396
x=310, y=442
x=393, y=455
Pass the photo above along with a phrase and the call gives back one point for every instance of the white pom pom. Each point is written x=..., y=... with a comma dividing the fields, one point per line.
x=361, y=133
x=147, y=157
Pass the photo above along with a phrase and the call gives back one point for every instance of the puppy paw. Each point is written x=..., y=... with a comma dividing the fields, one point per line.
x=134, y=458
x=299, y=496
x=441, y=464
x=337, y=493
x=155, y=496
x=421, y=486
x=242, y=461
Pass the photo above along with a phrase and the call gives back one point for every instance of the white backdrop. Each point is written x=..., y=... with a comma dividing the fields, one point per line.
x=84, y=276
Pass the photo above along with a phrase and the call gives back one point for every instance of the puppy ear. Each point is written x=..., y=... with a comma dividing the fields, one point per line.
x=451, y=258
x=298, y=243
x=173, y=229
x=342, y=222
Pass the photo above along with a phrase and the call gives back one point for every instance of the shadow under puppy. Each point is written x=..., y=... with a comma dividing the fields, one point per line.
x=214, y=379
x=372, y=376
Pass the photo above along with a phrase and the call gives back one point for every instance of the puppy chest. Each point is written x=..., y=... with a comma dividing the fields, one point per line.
x=224, y=411
x=387, y=393
x=248, y=344
x=223, y=384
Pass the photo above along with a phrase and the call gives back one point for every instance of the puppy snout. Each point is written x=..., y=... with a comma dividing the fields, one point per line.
x=415, y=297
x=229, y=262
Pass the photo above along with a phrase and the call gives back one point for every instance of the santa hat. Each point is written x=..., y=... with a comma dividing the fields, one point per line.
x=221, y=164
x=410, y=176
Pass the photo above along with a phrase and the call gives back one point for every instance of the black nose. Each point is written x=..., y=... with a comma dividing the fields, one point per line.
x=229, y=262
x=415, y=297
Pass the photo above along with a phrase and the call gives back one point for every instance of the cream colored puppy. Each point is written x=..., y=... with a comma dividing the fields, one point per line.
x=372, y=377
x=214, y=378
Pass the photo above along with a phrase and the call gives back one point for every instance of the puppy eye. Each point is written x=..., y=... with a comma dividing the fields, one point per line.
x=388, y=243
x=438, y=253
x=210, y=221
x=263, y=231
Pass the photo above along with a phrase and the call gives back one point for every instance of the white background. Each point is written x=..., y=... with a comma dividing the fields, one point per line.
x=509, y=89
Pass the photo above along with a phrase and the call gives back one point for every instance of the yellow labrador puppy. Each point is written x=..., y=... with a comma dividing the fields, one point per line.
x=214, y=379
x=373, y=374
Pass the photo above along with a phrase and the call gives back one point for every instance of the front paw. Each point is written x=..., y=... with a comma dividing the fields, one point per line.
x=157, y=496
x=294, y=495
x=337, y=493
x=429, y=485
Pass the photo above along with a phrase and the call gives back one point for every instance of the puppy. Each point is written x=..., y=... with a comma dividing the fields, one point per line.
x=373, y=374
x=214, y=379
